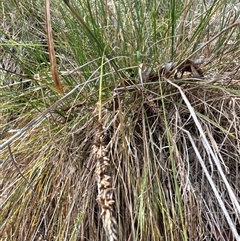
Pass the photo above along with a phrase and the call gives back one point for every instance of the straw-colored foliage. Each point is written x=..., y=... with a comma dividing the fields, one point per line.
x=144, y=142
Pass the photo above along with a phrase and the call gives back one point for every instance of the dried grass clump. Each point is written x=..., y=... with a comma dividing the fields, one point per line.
x=160, y=165
x=160, y=159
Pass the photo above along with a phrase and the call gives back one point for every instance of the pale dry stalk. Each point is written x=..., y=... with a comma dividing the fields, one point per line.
x=105, y=190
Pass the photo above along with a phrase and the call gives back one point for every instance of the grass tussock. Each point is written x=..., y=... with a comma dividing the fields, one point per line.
x=144, y=142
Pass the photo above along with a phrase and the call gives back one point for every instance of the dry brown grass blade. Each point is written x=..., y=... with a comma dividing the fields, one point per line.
x=18, y=169
x=52, y=56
